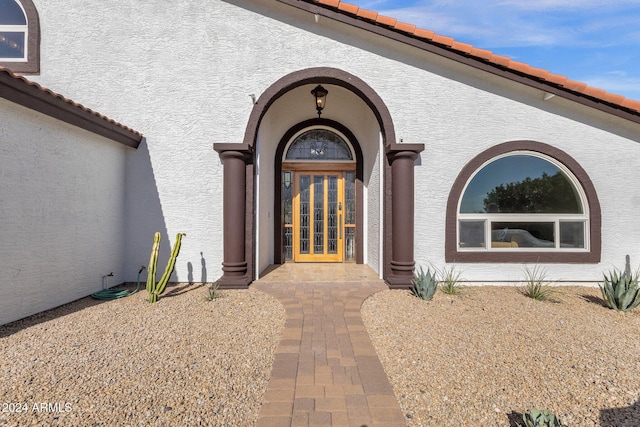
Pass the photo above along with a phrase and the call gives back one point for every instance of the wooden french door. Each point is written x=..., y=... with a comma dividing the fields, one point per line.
x=319, y=223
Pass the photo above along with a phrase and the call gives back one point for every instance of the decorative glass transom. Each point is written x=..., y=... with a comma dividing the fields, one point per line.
x=522, y=201
x=319, y=144
x=13, y=31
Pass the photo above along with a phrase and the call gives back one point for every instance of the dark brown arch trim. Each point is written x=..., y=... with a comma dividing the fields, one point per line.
x=595, y=217
x=398, y=181
x=277, y=208
x=32, y=66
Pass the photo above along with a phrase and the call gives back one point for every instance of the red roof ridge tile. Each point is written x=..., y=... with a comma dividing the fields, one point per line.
x=68, y=101
x=484, y=55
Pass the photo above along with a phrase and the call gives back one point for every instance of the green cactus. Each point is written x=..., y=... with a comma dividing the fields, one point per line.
x=424, y=284
x=538, y=418
x=154, y=289
x=620, y=289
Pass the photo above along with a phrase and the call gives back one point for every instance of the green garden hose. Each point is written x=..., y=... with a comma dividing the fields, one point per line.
x=111, y=294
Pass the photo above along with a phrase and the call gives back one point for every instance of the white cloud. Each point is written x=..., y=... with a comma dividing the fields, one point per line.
x=616, y=82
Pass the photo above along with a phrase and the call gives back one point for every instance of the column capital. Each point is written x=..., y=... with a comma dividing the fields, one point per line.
x=227, y=150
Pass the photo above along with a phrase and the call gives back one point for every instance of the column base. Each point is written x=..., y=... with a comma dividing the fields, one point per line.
x=235, y=276
x=401, y=275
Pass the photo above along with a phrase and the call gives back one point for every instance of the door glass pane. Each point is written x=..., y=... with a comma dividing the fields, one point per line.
x=572, y=234
x=522, y=234
x=349, y=243
x=318, y=214
x=288, y=243
x=471, y=234
x=287, y=196
x=332, y=208
x=287, y=214
x=349, y=198
x=305, y=183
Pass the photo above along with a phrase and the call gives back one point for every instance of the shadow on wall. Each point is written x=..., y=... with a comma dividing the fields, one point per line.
x=144, y=214
x=203, y=271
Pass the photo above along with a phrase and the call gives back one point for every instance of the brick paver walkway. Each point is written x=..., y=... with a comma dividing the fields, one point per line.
x=326, y=371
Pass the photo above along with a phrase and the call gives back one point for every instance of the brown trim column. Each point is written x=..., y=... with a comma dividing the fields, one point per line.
x=234, y=267
x=402, y=215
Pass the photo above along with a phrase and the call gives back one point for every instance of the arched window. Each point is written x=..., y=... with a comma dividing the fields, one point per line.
x=523, y=205
x=19, y=36
x=319, y=145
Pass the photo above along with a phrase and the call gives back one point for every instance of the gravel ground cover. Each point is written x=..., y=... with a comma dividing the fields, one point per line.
x=183, y=361
x=483, y=357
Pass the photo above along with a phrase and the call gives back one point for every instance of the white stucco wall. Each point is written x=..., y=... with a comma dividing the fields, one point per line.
x=61, y=208
x=181, y=74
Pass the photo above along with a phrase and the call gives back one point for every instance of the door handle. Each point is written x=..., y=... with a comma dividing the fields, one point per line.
x=340, y=226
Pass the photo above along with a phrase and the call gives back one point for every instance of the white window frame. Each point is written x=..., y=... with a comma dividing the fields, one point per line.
x=556, y=219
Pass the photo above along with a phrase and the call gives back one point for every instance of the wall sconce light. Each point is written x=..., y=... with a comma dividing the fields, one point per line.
x=320, y=94
x=287, y=179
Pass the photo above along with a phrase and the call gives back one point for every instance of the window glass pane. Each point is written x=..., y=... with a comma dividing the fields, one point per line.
x=319, y=144
x=471, y=234
x=522, y=234
x=520, y=184
x=572, y=234
x=11, y=13
x=12, y=45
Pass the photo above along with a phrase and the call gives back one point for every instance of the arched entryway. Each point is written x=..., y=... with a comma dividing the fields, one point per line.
x=319, y=194
x=248, y=171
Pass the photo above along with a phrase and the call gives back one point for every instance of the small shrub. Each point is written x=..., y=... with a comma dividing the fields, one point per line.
x=538, y=418
x=537, y=285
x=620, y=289
x=424, y=284
x=213, y=291
x=449, y=280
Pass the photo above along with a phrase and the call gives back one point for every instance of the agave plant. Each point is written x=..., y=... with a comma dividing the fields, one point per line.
x=424, y=284
x=620, y=289
x=538, y=418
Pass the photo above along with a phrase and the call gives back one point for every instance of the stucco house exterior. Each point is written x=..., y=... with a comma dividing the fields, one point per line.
x=425, y=150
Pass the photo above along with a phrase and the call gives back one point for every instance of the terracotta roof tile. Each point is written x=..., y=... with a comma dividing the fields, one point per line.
x=367, y=14
x=386, y=20
x=631, y=104
x=500, y=60
x=520, y=67
x=332, y=3
x=463, y=47
x=31, y=88
x=349, y=8
x=425, y=34
x=481, y=53
x=447, y=41
x=484, y=55
x=406, y=28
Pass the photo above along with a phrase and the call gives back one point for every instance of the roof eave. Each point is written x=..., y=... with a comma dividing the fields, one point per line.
x=31, y=95
x=431, y=44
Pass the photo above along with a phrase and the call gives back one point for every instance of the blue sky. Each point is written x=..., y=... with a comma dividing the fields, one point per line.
x=593, y=41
